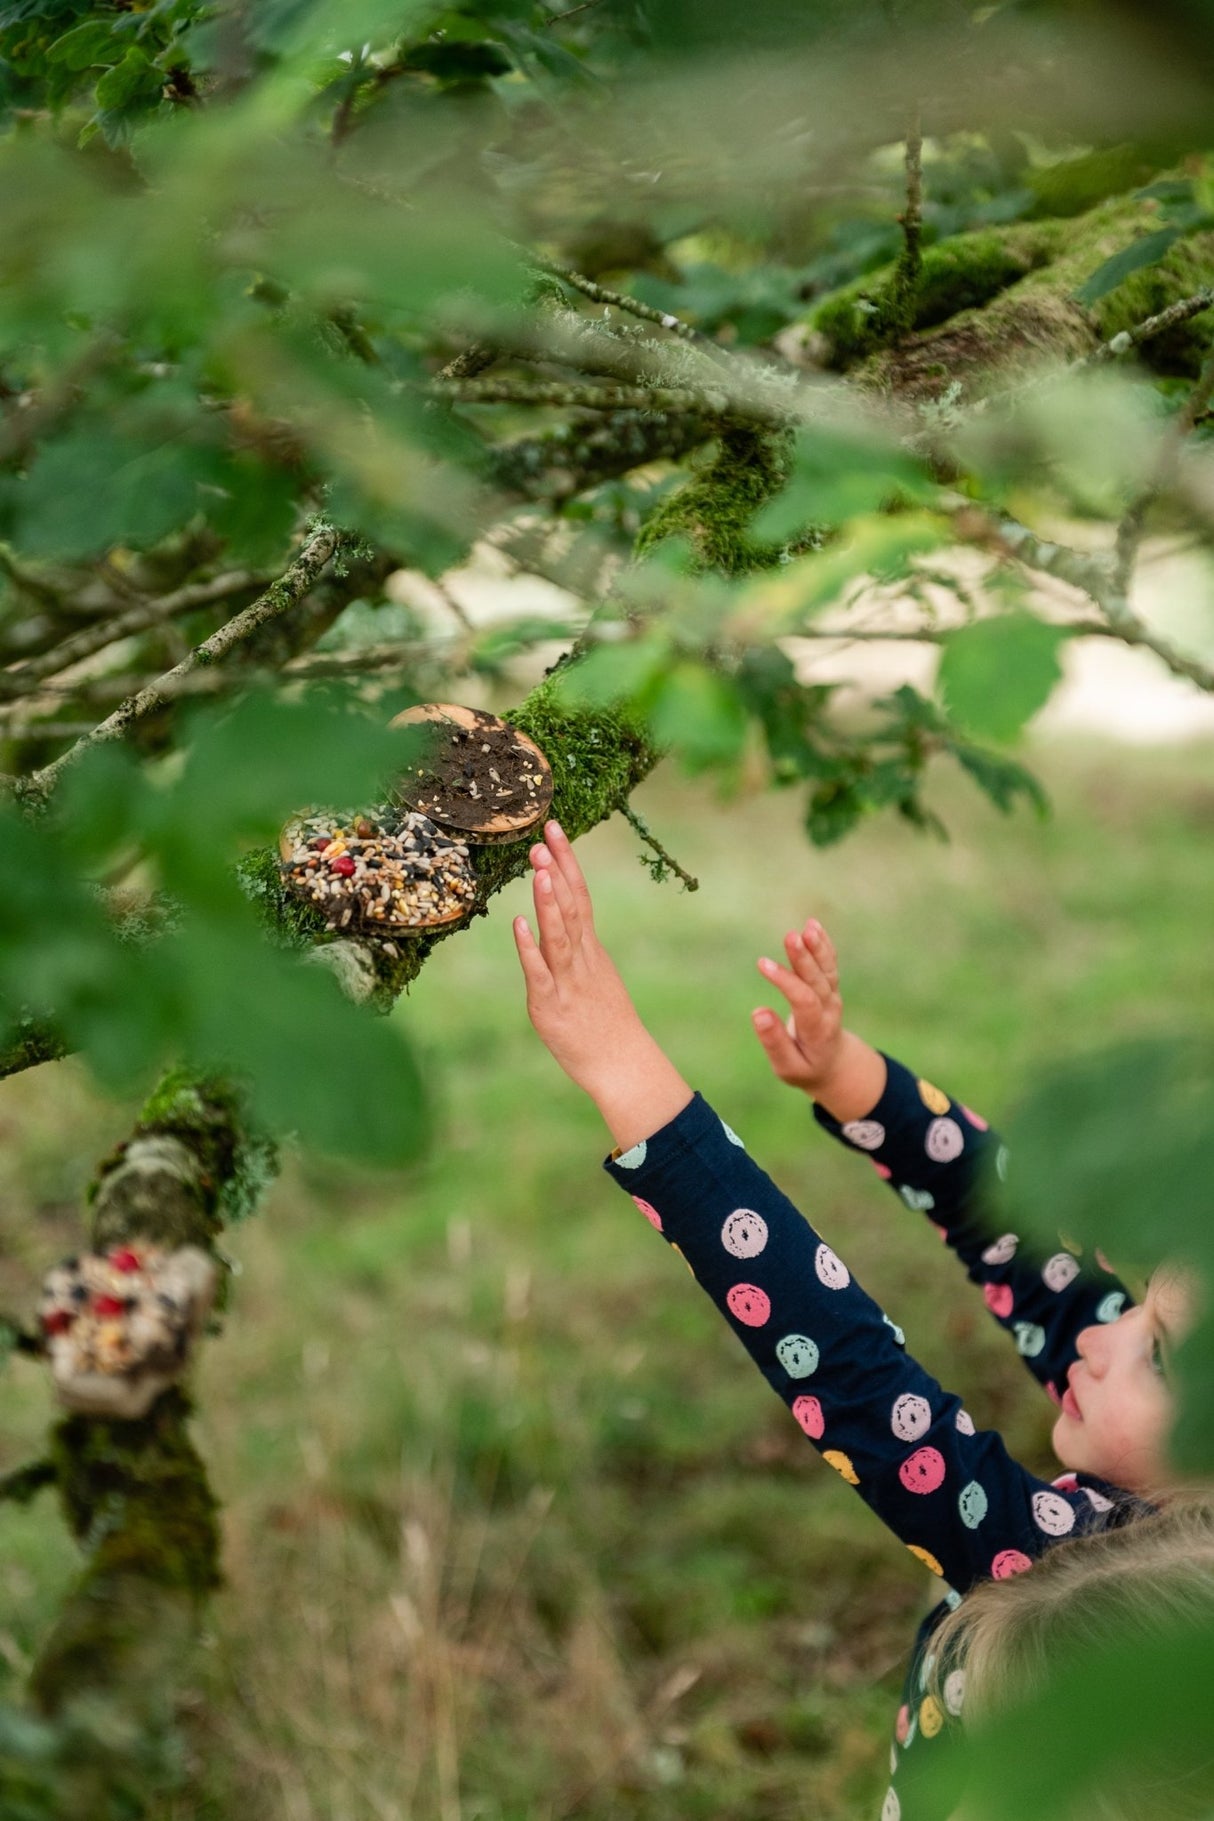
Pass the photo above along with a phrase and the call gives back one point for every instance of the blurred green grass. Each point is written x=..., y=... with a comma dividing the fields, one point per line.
x=513, y=1529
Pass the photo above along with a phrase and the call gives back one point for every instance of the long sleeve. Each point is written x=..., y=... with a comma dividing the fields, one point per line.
x=943, y=1160
x=953, y=1495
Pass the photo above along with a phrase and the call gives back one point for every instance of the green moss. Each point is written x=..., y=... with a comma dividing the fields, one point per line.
x=715, y=509
x=1076, y=185
x=961, y=273
x=135, y=1495
x=285, y=917
x=238, y=1159
x=1185, y=269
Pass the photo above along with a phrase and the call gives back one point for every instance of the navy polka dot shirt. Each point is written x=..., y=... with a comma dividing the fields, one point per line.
x=949, y=1491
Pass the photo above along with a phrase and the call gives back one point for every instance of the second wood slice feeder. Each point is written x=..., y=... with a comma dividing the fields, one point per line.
x=476, y=775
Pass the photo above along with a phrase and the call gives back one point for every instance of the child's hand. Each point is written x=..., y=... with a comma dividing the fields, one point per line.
x=805, y=1051
x=813, y=1051
x=581, y=1008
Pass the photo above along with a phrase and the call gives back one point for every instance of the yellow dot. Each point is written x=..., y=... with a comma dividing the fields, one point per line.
x=679, y=1250
x=841, y=1464
x=930, y=1717
x=1072, y=1245
x=927, y=1558
x=932, y=1098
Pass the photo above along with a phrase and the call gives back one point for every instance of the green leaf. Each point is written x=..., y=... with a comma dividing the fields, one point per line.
x=1003, y=780
x=995, y=674
x=136, y=78
x=1145, y=252
x=837, y=476
x=614, y=673
x=698, y=713
x=93, y=42
x=1121, y=1715
x=95, y=488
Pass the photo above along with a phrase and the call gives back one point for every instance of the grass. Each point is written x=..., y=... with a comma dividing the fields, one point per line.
x=513, y=1531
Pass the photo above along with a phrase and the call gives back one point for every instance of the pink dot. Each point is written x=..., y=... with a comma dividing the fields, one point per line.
x=748, y=1304
x=1052, y=1393
x=1102, y=1261
x=940, y=1232
x=1009, y=1562
x=998, y=1298
x=923, y=1470
x=1066, y=1482
x=902, y=1724
x=649, y=1211
x=808, y=1412
x=883, y=1170
x=975, y=1119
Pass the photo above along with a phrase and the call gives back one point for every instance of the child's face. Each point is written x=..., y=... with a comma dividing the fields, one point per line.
x=1117, y=1409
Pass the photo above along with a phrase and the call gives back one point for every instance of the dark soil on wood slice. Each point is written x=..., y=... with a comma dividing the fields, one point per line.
x=476, y=774
x=377, y=874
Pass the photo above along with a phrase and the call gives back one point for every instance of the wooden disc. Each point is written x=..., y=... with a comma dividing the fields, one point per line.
x=454, y=782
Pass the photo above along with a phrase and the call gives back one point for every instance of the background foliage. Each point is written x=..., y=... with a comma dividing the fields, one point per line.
x=757, y=337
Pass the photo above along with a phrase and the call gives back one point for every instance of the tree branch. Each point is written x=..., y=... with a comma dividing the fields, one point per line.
x=18, y=679
x=278, y=599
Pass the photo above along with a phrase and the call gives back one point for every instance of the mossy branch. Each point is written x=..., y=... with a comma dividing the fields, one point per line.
x=134, y=1492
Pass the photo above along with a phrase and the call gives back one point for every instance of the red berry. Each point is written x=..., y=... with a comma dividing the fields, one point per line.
x=108, y=1305
x=344, y=865
x=125, y=1260
x=320, y=843
x=57, y=1321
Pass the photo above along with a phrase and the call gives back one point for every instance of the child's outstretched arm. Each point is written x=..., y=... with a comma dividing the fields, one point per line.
x=953, y=1495
x=941, y=1158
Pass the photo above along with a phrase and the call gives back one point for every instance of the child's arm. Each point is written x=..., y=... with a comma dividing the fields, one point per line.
x=941, y=1158
x=954, y=1496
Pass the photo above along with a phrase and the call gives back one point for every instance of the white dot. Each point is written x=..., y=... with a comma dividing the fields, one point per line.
x=920, y=1200
x=732, y=1135
x=1097, y=1500
x=1059, y=1271
x=925, y=1670
x=744, y=1233
x=1001, y=1163
x=1052, y=1513
x=869, y=1134
x=899, y=1336
x=798, y=1355
x=945, y=1140
x=911, y=1417
x=965, y=1423
x=831, y=1269
x=1001, y=1251
x=1109, y=1307
x=893, y=1760
x=633, y=1159
x=952, y=1599
x=954, y=1691
x=1030, y=1339
x=891, y=1808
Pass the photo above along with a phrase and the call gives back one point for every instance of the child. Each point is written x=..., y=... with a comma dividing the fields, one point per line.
x=961, y=1505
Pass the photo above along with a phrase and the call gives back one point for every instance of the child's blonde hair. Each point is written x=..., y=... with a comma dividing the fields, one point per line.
x=1122, y=1584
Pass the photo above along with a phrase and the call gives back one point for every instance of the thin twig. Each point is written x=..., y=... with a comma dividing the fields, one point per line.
x=664, y=862
x=277, y=600
x=619, y=300
x=722, y=404
x=19, y=678
x=1133, y=523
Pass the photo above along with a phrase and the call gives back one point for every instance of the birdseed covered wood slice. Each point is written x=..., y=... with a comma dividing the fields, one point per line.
x=377, y=874
x=477, y=774
x=118, y=1327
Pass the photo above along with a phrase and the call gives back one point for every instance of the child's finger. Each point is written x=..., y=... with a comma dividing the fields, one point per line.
x=805, y=1003
x=554, y=937
x=535, y=968
x=785, y=1058
x=804, y=964
x=562, y=852
x=563, y=892
x=822, y=949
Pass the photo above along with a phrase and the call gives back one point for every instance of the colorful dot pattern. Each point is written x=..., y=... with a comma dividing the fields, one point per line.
x=948, y=1490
